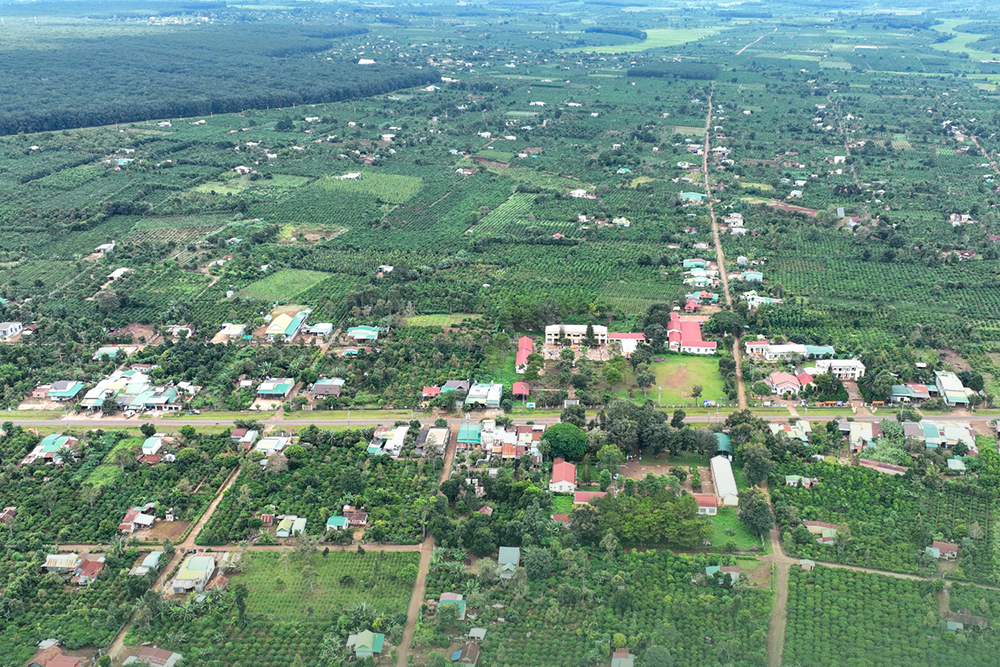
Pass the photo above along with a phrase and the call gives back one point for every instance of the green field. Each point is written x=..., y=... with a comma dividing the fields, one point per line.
x=677, y=377
x=380, y=579
x=655, y=38
x=283, y=284
x=103, y=474
x=388, y=188
x=960, y=41
x=438, y=320
x=725, y=521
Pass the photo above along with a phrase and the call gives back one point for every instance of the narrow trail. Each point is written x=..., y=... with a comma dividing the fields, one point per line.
x=740, y=52
x=720, y=257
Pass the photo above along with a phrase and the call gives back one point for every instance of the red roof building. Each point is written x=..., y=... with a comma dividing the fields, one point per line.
x=525, y=346
x=561, y=518
x=804, y=379
x=584, y=497
x=520, y=389
x=431, y=392
x=684, y=335
x=707, y=503
x=486, y=510
x=782, y=383
x=563, y=477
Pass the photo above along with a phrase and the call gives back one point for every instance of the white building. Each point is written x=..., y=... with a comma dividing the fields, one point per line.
x=574, y=333
x=194, y=574
x=9, y=329
x=842, y=369
x=725, y=482
x=950, y=388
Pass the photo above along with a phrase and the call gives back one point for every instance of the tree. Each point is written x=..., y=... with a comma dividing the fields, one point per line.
x=724, y=321
x=447, y=616
x=108, y=300
x=240, y=598
x=567, y=441
x=757, y=463
x=586, y=470
x=122, y=457
x=148, y=430
x=537, y=563
x=960, y=449
x=610, y=543
x=762, y=389
x=755, y=511
x=696, y=391
x=574, y=414
x=677, y=421
x=657, y=656
x=605, y=480
x=309, y=577
x=609, y=458
x=645, y=380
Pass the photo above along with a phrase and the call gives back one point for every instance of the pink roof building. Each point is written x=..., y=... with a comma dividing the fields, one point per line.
x=525, y=346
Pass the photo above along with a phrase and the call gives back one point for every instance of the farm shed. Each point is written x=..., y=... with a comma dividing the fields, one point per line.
x=725, y=482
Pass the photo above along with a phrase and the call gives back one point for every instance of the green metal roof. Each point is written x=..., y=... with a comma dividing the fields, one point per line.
x=723, y=444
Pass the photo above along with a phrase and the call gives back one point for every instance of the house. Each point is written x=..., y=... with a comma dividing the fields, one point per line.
x=684, y=335
x=863, y=434
x=574, y=334
x=149, y=563
x=64, y=390
x=61, y=562
x=477, y=634
x=508, y=558
x=725, y=481
x=958, y=465
x=486, y=510
x=10, y=329
x=286, y=327
x=951, y=389
x=784, y=383
x=911, y=392
x=563, y=477
x=245, y=437
x=755, y=300
x=842, y=369
x=48, y=449
x=799, y=480
x=137, y=518
x=355, y=518
x=430, y=392
x=751, y=276
x=622, y=658
x=87, y=571
x=825, y=533
x=363, y=333
x=152, y=444
x=708, y=505
x=453, y=599
x=8, y=515
x=366, y=644
x=467, y=655
x=232, y=331
x=388, y=441
x=696, y=197
x=733, y=571
x=584, y=497
x=947, y=549
x=336, y=523
x=629, y=341
x=154, y=657
x=195, y=572
x=485, y=395
x=800, y=430
x=50, y=655
x=433, y=439
x=320, y=329
x=456, y=385
x=695, y=264
x=520, y=390
x=104, y=248
x=112, y=351
x=469, y=435
x=723, y=446
x=327, y=387
x=118, y=273
x=271, y=445
x=768, y=351
x=290, y=526
x=525, y=346
x=275, y=388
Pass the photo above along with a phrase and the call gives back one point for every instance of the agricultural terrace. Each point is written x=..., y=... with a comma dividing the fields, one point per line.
x=637, y=600
x=297, y=605
x=326, y=470
x=855, y=617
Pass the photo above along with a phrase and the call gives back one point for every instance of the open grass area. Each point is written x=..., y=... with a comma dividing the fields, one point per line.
x=725, y=522
x=686, y=459
x=655, y=38
x=959, y=43
x=15, y=415
x=440, y=320
x=380, y=579
x=388, y=188
x=102, y=475
x=562, y=503
x=283, y=284
x=124, y=443
x=677, y=377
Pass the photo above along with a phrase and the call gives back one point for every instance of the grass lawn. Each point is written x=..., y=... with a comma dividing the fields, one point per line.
x=677, y=376
x=380, y=579
x=959, y=43
x=439, y=320
x=562, y=503
x=124, y=443
x=655, y=38
x=725, y=521
x=686, y=460
x=283, y=284
x=103, y=474
x=16, y=415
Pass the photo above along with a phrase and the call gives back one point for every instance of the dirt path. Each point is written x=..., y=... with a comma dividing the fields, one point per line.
x=740, y=52
x=416, y=599
x=776, y=628
x=720, y=257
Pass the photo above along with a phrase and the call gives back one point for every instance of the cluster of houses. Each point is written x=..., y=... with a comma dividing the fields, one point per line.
x=80, y=571
x=494, y=439
x=700, y=273
x=684, y=334
x=947, y=386
x=735, y=223
x=934, y=435
x=285, y=326
x=133, y=390
x=51, y=449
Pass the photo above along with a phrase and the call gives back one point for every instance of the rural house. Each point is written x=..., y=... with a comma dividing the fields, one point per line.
x=290, y=526
x=154, y=657
x=137, y=518
x=87, y=571
x=508, y=558
x=784, y=383
x=276, y=388
x=366, y=644
x=484, y=395
x=64, y=390
x=574, y=334
x=327, y=387
x=684, y=335
x=286, y=327
x=525, y=346
x=707, y=504
x=951, y=389
x=10, y=329
x=195, y=573
x=842, y=369
x=61, y=562
x=563, y=477
x=48, y=449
